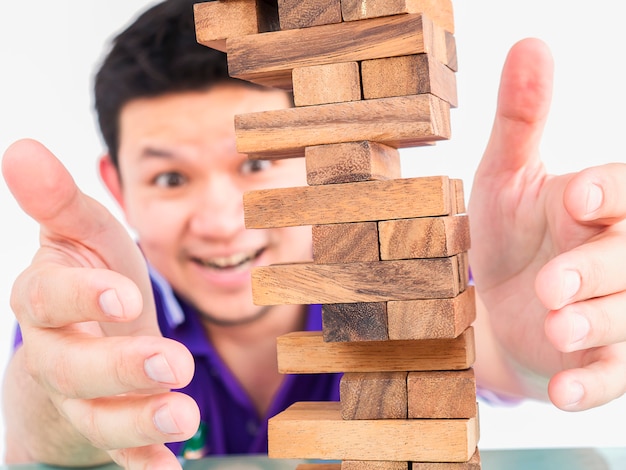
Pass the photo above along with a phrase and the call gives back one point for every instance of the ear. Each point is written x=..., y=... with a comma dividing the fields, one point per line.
x=111, y=177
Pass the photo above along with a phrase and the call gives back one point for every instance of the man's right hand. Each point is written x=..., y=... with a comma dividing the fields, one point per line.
x=92, y=345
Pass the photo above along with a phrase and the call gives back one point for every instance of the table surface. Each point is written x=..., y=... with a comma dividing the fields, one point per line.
x=518, y=459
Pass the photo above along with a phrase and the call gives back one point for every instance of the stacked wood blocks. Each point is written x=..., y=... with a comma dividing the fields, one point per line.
x=389, y=254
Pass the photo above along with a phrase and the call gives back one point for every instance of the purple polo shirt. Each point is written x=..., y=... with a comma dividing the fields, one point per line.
x=231, y=422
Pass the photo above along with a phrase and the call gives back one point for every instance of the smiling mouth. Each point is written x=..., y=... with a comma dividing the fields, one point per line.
x=238, y=261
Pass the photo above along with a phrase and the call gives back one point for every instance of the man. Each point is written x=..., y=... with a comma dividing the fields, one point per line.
x=91, y=380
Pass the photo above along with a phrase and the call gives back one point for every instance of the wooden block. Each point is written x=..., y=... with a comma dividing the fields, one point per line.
x=329, y=83
x=350, y=202
x=399, y=122
x=408, y=75
x=431, y=318
x=440, y=11
x=424, y=237
x=378, y=395
x=345, y=243
x=355, y=465
x=463, y=270
x=452, y=60
x=254, y=58
x=309, y=283
x=219, y=20
x=442, y=394
x=315, y=430
x=351, y=162
x=457, y=197
x=355, y=322
x=295, y=14
x=319, y=466
x=373, y=465
x=472, y=464
x=375, y=356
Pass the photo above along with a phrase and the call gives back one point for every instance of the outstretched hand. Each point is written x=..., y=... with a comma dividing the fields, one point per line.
x=88, y=320
x=548, y=251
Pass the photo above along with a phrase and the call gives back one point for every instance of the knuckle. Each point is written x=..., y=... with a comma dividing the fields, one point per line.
x=89, y=427
x=54, y=372
x=119, y=370
x=32, y=298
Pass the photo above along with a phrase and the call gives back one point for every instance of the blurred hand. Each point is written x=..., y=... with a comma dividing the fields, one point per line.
x=88, y=319
x=548, y=252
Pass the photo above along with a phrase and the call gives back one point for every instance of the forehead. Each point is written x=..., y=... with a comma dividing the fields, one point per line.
x=210, y=111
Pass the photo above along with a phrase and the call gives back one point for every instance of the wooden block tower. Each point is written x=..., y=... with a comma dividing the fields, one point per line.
x=389, y=254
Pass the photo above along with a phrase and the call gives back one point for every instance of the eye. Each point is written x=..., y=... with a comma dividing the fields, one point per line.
x=170, y=180
x=255, y=166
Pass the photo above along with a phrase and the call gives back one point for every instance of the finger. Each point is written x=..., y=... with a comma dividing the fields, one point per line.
x=523, y=104
x=134, y=420
x=124, y=364
x=588, y=324
x=154, y=457
x=47, y=192
x=590, y=270
x=598, y=194
x=80, y=226
x=594, y=385
x=40, y=297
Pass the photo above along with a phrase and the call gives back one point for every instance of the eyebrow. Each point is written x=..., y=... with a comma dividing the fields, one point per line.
x=152, y=152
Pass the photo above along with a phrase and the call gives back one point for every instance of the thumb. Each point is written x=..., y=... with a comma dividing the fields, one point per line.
x=87, y=232
x=523, y=105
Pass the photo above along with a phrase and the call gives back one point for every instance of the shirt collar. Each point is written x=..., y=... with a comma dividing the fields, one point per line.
x=173, y=311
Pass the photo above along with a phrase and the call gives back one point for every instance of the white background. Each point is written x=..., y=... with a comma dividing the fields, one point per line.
x=49, y=49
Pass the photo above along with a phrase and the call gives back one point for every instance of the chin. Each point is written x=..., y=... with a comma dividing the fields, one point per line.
x=226, y=320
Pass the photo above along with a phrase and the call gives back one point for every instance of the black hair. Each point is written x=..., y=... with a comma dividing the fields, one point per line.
x=157, y=54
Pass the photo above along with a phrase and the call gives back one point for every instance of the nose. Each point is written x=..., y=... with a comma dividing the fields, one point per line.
x=218, y=212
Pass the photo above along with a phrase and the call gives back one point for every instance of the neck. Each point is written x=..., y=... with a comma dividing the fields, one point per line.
x=267, y=324
x=249, y=349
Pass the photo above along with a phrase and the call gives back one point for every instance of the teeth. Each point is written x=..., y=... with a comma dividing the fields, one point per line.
x=234, y=260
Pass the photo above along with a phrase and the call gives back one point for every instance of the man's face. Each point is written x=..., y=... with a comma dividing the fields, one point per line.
x=182, y=185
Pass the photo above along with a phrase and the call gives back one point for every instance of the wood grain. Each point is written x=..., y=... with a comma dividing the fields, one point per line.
x=463, y=270
x=328, y=83
x=408, y=75
x=372, y=356
x=424, y=237
x=366, y=201
x=472, y=464
x=254, y=58
x=351, y=162
x=442, y=394
x=219, y=20
x=309, y=283
x=355, y=322
x=373, y=465
x=440, y=11
x=296, y=14
x=452, y=59
x=431, y=318
x=457, y=197
x=399, y=122
x=316, y=431
x=377, y=395
x=345, y=243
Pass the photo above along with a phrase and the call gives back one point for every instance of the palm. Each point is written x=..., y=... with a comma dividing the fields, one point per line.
x=534, y=239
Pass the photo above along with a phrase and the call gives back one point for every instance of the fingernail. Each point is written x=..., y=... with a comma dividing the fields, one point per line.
x=164, y=421
x=580, y=328
x=595, y=196
x=159, y=370
x=571, y=285
x=575, y=393
x=110, y=304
